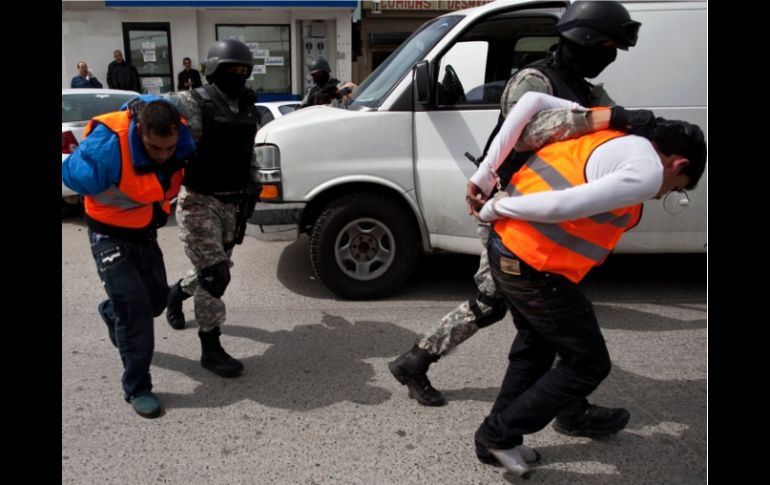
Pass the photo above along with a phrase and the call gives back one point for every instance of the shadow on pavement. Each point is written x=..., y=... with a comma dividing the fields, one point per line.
x=318, y=365
x=664, y=443
x=309, y=367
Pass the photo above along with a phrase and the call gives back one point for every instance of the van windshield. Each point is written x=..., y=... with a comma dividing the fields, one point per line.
x=375, y=88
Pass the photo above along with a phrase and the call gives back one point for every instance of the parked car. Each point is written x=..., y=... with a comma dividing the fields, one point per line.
x=78, y=106
x=395, y=187
x=270, y=110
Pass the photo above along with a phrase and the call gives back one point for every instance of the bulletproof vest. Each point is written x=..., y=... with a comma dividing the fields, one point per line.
x=323, y=94
x=565, y=84
x=223, y=159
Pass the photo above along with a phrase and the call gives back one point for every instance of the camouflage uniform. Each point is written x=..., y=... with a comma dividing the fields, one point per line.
x=460, y=324
x=205, y=237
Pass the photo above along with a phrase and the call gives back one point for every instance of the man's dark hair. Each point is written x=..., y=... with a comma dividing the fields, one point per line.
x=684, y=139
x=159, y=117
x=187, y=59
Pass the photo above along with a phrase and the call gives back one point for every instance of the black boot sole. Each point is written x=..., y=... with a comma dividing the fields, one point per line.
x=407, y=381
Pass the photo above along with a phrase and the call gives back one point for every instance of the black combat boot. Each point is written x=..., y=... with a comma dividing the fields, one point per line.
x=410, y=370
x=590, y=420
x=174, y=314
x=214, y=357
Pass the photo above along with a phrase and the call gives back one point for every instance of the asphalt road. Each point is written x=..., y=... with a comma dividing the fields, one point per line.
x=317, y=405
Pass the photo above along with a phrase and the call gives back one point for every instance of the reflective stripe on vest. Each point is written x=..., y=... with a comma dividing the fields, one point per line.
x=129, y=203
x=570, y=248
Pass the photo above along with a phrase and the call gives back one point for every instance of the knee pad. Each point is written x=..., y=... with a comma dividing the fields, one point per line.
x=215, y=278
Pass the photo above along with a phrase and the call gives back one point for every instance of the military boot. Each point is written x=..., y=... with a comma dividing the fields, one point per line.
x=214, y=357
x=410, y=370
x=174, y=314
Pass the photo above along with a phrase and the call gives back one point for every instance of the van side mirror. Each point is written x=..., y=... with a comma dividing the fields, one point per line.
x=422, y=82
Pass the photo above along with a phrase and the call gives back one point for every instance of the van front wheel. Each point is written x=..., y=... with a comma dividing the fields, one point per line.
x=364, y=246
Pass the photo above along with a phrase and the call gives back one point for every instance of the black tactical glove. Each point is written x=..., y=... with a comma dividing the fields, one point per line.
x=637, y=121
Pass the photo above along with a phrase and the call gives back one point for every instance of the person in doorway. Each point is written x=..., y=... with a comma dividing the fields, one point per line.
x=122, y=75
x=129, y=166
x=85, y=79
x=188, y=78
x=218, y=194
x=589, y=35
x=563, y=213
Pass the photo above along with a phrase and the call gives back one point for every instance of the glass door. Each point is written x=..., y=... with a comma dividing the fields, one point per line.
x=148, y=49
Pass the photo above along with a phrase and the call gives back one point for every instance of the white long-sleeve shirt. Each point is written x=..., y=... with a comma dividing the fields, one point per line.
x=621, y=172
x=526, y=108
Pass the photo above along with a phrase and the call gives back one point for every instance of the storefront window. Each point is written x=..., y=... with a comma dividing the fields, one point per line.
x=271, y=49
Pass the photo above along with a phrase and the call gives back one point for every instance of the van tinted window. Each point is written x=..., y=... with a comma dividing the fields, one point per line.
x=475, y=69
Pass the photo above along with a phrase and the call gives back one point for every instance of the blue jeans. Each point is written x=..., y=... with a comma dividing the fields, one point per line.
x=552, y=316
x=134, y=276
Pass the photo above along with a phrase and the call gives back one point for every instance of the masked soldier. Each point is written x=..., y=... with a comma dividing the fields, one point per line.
x=218, y=194
x=590, y=34
x=326, y=89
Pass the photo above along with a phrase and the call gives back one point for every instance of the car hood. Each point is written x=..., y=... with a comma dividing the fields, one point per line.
x=305, y=118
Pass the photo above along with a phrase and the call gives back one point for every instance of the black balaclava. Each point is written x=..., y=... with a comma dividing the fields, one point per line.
x=586, y=61
x=321, y=78
x=231, y=83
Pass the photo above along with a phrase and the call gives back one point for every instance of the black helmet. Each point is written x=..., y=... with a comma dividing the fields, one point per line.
x=228, y=51
x=320, y=65
x=590, y=23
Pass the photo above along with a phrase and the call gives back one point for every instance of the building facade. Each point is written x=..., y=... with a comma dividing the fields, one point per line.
x=385, y=24
x=155, y=35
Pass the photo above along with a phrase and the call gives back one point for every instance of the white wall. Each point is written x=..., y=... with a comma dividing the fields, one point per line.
x=91, y=32
x=92, y=35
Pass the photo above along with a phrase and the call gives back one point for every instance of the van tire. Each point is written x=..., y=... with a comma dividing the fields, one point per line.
x=364, y=246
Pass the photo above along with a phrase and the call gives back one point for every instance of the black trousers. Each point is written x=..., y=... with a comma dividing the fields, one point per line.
x=552, y=316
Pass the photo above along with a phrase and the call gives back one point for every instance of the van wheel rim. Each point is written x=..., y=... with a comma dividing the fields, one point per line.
x=365, y=249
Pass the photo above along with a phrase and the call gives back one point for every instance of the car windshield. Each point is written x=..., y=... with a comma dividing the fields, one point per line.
x=375, y=88
x=82, y=107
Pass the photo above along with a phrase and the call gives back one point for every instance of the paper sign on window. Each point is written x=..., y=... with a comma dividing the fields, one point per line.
x=274, y=61
x=150, y=82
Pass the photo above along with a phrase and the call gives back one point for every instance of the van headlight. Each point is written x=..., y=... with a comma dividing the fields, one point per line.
x=268, y=156
x=269, y=174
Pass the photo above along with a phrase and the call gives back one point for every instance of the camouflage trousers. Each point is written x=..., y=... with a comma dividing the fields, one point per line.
x=459, y=325
x=206, y=224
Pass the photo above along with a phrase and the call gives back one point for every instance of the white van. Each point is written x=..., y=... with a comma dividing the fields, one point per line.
x=375, y=184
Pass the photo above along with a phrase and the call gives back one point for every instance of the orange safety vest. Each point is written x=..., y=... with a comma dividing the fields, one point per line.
x=129, y=203
x=569, y=248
